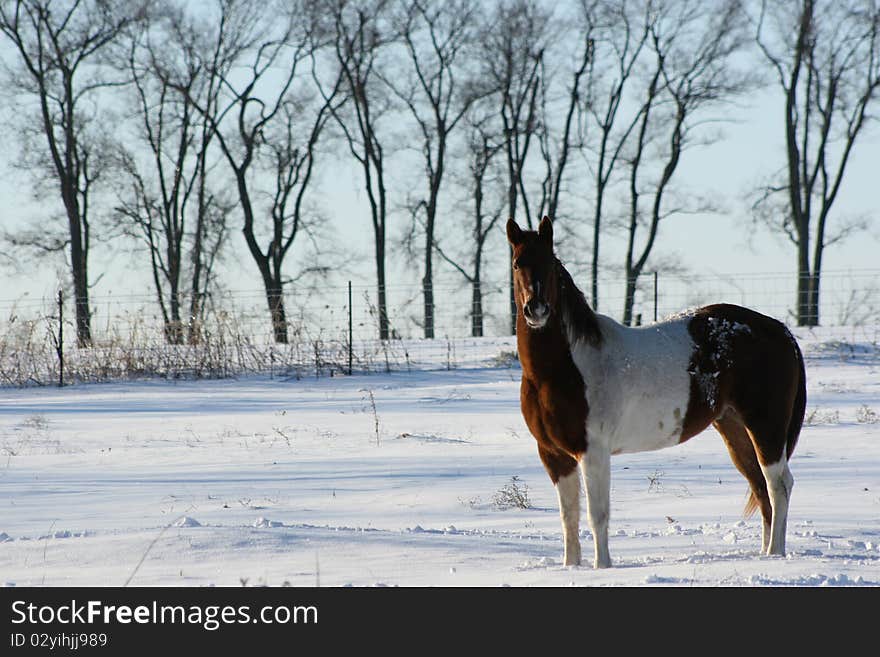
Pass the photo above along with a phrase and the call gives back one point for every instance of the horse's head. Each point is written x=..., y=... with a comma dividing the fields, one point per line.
x=534, y=271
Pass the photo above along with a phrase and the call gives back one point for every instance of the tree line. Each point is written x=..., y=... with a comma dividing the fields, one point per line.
x=174, y=123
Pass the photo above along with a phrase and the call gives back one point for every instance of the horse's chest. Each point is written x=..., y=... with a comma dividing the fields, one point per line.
x=556, y=414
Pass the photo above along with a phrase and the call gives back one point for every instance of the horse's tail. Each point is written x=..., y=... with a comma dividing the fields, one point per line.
x=794, y=424
x=751, y=505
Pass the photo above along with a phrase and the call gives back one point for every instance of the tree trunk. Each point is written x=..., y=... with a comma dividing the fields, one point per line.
x=81, y=292
x=79, y=253
x=383, y=300
x=803, y=286
x=431, y=221
x=813, y=311
x=194, y=333
x=79, y=266
x=428, y=282
x=594, y=272
x=195, y=302
x=380, y=280
x=632, y=278
x=174, y=328
x=383, y=316
x=275, y=299
x=476, y=309
x=815, y=278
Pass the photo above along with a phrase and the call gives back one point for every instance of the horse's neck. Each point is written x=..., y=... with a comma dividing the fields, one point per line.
x=543, y=351
x=548, y=351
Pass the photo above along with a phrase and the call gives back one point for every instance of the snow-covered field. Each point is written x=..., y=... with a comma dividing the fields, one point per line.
x=407, y=479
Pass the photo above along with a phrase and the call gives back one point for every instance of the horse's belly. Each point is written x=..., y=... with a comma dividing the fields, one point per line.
x=647, y=418
x=646, y=432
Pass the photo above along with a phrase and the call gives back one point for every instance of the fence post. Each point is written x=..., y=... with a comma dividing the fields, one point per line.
x=60, y=346
x=655, y=295
x=349, y=329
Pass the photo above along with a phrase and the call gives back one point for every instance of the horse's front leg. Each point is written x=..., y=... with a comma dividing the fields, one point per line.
x=596, y=469
x=568, y=488
x=562, y=469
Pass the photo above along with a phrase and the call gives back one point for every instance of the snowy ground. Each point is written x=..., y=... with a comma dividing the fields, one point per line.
x=274, y=481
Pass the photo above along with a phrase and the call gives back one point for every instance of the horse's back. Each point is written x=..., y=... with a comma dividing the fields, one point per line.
x=722, y=324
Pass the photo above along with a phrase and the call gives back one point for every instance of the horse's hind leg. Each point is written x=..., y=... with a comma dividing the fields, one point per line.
x=770, y=399
x=596, y=469
x=769, y=440
x=563, y=472
x=779, y=482
x=745, y=458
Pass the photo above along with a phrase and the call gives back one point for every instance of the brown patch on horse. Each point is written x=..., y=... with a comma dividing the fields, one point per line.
x=742, y=453
x=552, y=393
x=743, y=361
x=554, y=406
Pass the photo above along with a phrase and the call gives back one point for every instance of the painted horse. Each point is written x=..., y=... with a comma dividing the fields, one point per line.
x=592, y=388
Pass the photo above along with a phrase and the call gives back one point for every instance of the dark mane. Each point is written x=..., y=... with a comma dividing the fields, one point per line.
x=579, y=319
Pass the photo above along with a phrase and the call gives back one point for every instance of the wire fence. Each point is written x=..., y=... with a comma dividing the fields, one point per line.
x=334, y=330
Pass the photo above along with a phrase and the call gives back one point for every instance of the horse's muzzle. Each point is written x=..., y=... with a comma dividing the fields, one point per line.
x=536, y=313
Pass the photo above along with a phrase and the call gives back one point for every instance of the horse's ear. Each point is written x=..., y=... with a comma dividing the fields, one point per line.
x=514, y=233
x=545, y=230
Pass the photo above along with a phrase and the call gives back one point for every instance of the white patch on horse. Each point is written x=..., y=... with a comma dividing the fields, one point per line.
x=568, y=488
x=637, y=384
x=779, y=485
x=596, y=470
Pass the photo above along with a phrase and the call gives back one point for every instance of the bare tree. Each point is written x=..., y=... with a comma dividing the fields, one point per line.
x=359, y=30
x=58, y=46
x=438, y=90
x=692, y=46
x=483, y=147
x=168, y=203
x=619, y=34
x=826, y=58
x=514, y=40
x=556, y=149
x=259, y=57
